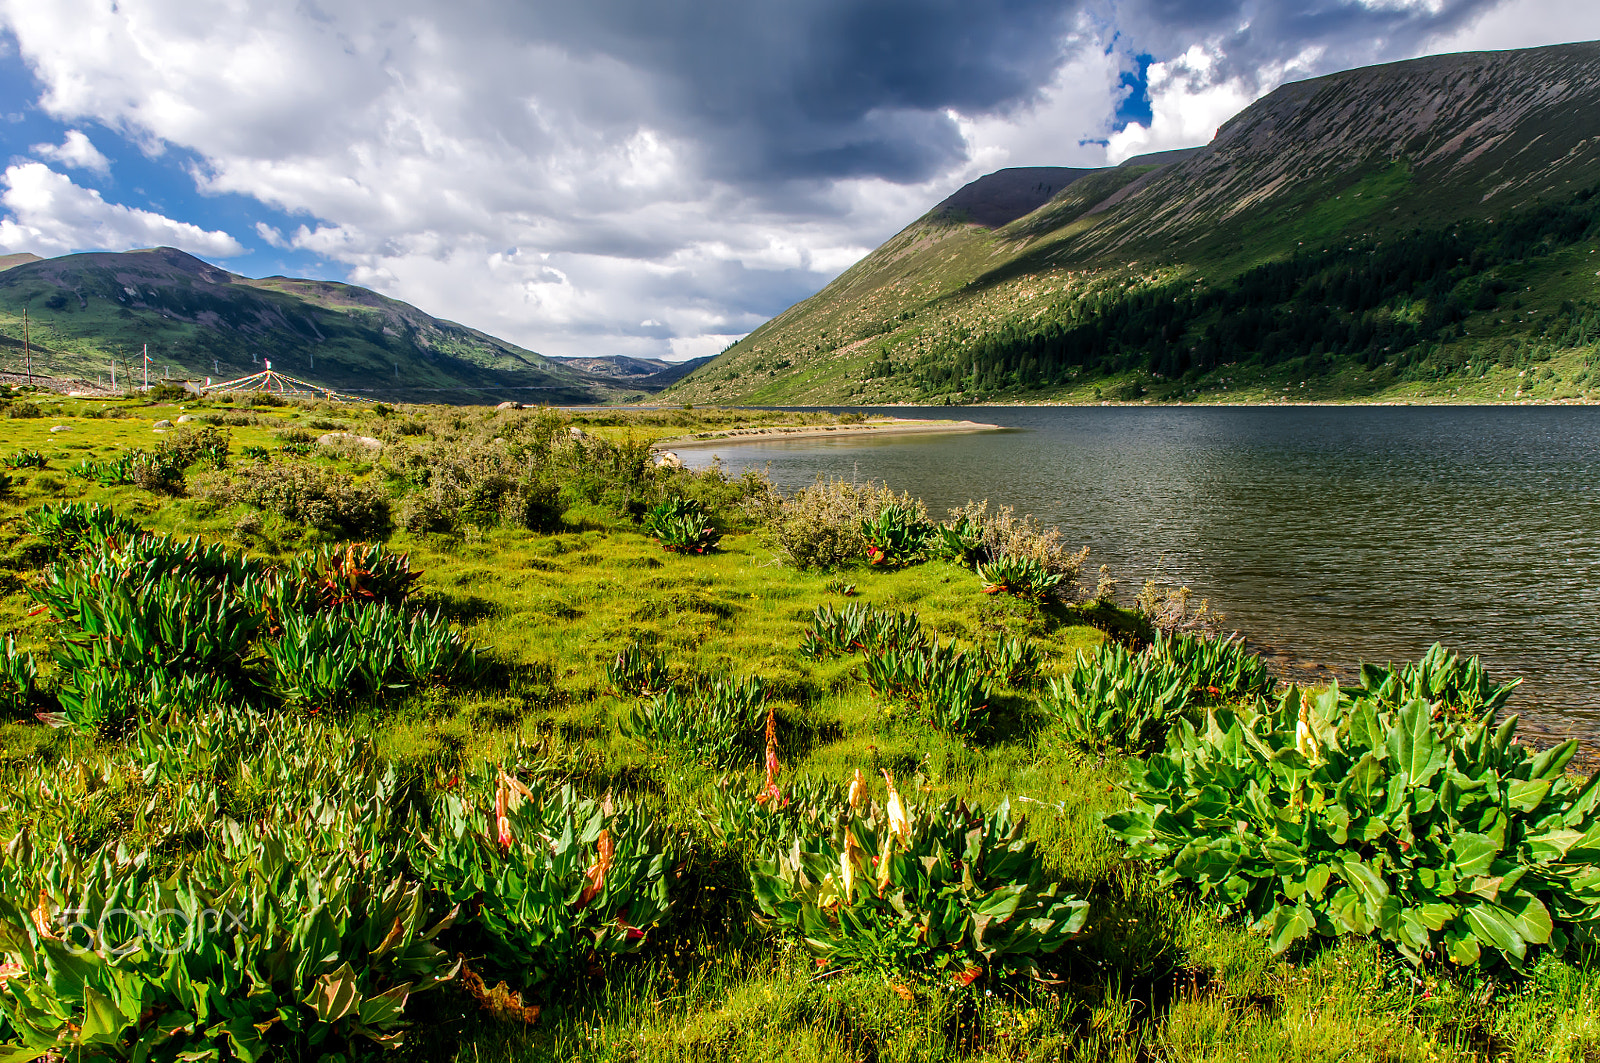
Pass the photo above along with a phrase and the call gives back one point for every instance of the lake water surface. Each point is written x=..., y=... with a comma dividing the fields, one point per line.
x=1328, y=535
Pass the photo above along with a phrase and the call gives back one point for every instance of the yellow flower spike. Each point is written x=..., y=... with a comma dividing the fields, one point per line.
x=897, y=811
x=848, y=859
x=1305, y=740
x=858, y=787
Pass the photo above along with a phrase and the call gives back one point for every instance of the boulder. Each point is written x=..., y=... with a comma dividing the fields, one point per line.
x=62, y=428
x=163, y=423
x=511, y=406
x=577, y=433
x=666, y=459
x=186, y=418
x=330, y=438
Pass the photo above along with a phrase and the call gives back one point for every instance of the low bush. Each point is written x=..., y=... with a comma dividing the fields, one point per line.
x=940, y=892
x=1115, y=700
x=1012, y=662
x=321, y=498
x=856, y=628
x=344, y=574
x=1337, y=816
x=67, y=527
x=275, y=957
x=985, y=536
x=23, y=410
x=337, y=657
x=19, y=677
x=24, y=459
x=821, y=526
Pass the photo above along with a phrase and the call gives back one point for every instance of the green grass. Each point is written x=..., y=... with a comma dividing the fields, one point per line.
x=1156, y=975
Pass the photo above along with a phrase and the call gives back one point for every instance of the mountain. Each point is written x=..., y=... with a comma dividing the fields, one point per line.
x=1412, y=225
x=643, y=374
x=207, y=322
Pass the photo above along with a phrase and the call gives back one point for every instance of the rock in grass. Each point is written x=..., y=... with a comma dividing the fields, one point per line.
x=62, y=428
x=331, y=438
x=510, y=406
x=163, y=423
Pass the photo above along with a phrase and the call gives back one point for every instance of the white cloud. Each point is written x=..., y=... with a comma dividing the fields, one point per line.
x=1523, y=24
x=49, y=215
x=77, y=151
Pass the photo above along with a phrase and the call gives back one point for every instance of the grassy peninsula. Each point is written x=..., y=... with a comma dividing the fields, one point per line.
x=495, y=737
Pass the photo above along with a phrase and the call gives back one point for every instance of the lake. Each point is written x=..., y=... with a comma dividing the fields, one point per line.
x=1327, y=535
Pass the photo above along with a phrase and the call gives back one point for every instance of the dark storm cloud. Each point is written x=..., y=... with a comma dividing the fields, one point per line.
x=1254, y=35
x=822, y=89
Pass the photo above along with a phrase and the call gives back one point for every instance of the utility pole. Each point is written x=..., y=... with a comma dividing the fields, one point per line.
x=147, y=365
x=113, y=372
x=27, y=351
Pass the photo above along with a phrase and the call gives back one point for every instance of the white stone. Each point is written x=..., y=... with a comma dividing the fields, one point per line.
x=163, y=423
x=329, y=438
x=62, y=428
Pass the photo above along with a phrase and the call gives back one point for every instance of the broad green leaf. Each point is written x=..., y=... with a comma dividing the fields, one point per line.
x=1412, y=745
x=335, y=994
x=1462, y=944
x=1493, y=926
x=1289, y=925
x=1473, y=853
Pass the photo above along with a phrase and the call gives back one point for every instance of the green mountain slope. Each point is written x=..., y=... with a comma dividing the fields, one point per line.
x=1424, y=225
x=85, y=309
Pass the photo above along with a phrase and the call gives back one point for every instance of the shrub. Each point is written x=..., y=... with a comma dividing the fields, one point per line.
x=334, y=658
x=1003, y=534
x=185, y=447
x=548, y=877
x=821, y=526
x=321, y=498
x=1216, y=669
x=719, y=724
x=67, y=527
x=859, y=627
x=160, y=473
x=681, y=526
x=941, y=892
x=112, y=472
x=1338, y=816
x=1459, y=689
x=24, y=410
x=1012, y=662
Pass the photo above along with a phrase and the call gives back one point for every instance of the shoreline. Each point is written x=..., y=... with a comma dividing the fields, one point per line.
x=897, y=426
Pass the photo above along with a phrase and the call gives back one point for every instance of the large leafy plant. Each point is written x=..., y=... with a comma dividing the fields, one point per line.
x=271, y=956
x=1451, y=686
x=1024, y=577
x=548, y=876
x=938, y=890
x=943, y=685
x=1340, y=816
x=897, y=536
x=681, y=526
x=718, y=722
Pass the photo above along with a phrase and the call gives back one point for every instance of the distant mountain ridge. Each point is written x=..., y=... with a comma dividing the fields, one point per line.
x=1362, y=157
x=209, y=322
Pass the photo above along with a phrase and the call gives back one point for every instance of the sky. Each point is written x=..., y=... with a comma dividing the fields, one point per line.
x=651, y=178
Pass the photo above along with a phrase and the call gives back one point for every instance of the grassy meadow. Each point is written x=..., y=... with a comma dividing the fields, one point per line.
x=586, y=662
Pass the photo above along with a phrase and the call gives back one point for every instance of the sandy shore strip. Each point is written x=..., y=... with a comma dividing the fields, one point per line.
x=893, y=427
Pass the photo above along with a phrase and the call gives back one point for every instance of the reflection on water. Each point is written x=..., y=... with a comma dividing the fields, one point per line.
x=1329, y=535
